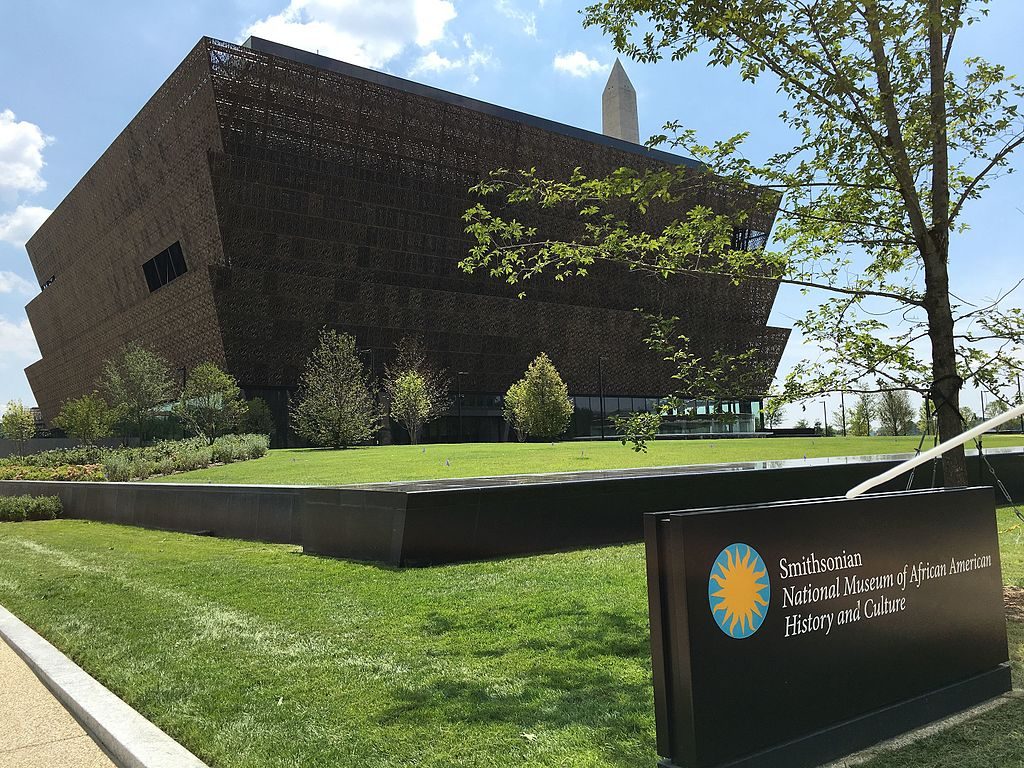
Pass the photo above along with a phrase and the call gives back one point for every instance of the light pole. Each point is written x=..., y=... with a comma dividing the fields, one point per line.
x=842, y=408
x=824, y=410
x=458, y=381
x=184, y=383
x=600, y=389
x=1018, y=403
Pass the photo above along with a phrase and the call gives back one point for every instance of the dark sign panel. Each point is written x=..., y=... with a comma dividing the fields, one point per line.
x=790, y=634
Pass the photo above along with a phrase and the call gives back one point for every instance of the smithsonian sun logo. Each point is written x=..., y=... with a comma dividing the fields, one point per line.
x=738, y=590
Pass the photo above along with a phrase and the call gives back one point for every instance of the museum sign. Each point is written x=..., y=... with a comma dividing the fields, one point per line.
x=790, y=634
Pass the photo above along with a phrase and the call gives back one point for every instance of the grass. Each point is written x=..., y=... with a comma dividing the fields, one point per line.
x=413, y=462
x=255, y=655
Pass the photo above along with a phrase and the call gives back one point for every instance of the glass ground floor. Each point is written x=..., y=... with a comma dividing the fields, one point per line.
x=477, y=417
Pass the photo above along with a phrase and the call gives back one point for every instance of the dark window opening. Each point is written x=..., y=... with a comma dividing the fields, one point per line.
x=164, y=267
x=746, y=239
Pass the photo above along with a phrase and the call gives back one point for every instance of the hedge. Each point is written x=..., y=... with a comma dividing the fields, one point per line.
x=15, y=509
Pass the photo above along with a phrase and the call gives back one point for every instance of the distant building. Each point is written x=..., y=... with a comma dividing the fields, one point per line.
x=264, y=192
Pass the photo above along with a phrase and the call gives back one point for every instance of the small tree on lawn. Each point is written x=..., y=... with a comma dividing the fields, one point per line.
x=409, y=402
x=774, y=412
x=864, y=411
x=895, y=412
x=211, y=402
x=335, y=405
x=256, y=418
x=417, y=390
x=136, y=382
x=514, y=410
x=87, y=418
x=18, y=424
x=543, y=408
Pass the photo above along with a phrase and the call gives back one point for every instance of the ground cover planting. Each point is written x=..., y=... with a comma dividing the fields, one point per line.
x=255, y=655
x=120, y=464
x=421, y=462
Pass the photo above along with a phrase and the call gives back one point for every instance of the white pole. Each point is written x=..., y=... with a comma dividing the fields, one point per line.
x=938, y=450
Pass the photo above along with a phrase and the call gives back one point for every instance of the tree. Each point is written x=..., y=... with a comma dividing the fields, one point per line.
x=513, y=408
x=774, y=413
x=257, y=419
x=895, y=139
x=87, y=418
x=417, y=390
x=136, y=382
x=211, y=402
x=840, y=421
x=18, y=424
x=970, y=418
x=895, y=413
x=538, y=405
x=409, y=402
x=803, y=424
x=335, y=403
x=864, y=411
x=997, y=408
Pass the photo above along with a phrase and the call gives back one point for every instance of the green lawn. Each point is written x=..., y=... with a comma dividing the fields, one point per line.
x=255, y=655
x=413, y=462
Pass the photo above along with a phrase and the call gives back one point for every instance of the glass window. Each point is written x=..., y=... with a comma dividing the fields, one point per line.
x=166, y=266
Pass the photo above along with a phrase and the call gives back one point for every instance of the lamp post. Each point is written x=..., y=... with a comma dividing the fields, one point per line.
x=184, y=383
x=1018, y=403
x=824, y=410
x=600, y=389
x=458, y=382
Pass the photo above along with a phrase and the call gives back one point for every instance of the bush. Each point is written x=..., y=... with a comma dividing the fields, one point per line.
x=538, y=405
x=70, y=473
x=59, y=457
x=231, y=448
x=18, y=508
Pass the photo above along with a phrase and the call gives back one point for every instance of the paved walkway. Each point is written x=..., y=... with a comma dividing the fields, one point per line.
x=35, y=729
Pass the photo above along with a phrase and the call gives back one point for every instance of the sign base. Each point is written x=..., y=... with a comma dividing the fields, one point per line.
x=853, y=735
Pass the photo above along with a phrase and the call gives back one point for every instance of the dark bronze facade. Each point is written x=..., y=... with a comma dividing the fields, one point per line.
x=264, y=193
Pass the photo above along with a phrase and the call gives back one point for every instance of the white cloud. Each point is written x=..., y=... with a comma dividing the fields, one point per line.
x=578, y=64
x=21, y=154
x=433, y=62
x=17, y=341
x=11, y=282
x=528, y=20
x=20, y=224
x=365, y=33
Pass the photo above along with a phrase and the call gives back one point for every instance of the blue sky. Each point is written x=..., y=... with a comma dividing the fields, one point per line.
x=74, y=74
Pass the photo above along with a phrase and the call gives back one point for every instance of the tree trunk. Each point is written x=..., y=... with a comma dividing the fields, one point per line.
x=946, y=382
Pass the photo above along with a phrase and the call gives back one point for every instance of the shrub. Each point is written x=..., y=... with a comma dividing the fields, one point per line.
x=72, y=473
x=118, y=468
x=19, y=508
x=231, y=448
x=538, y=405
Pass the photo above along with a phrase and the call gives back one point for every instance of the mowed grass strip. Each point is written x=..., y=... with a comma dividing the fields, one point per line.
x=255, y=655
x=423, y=462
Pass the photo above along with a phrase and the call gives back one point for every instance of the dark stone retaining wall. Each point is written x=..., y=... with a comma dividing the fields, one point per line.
x=445, y=521
x=254, y=512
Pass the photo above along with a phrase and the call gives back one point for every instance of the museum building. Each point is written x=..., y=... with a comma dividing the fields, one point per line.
x=265, y=192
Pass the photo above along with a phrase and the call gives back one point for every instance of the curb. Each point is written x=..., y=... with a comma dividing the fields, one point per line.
x=131, y=739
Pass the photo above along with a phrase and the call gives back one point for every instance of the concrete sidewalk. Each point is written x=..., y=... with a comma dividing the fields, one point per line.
x=35, y=729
